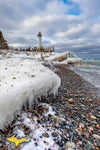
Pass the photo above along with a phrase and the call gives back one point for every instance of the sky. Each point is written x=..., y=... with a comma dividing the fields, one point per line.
x=66, y=24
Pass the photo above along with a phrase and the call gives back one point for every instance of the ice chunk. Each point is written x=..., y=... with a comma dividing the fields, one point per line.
x=22, y=80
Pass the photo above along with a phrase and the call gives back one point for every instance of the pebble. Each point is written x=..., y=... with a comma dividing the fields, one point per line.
x=54, y=134
x=89, y=145
x=70, y=145
x=77, y=121
x=50, y=115
x=70, y=100
x=83, y=116
x=93, y=122
x=45, y=135
x=81, y=125
x=98, y=108
x=96, y=136
x=57, y=120
x=93, y=117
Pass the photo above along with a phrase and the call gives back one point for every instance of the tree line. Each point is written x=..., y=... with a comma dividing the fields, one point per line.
x=3, y=42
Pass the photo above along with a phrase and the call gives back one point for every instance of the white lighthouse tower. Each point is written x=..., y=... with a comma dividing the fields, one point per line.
x=39, y=40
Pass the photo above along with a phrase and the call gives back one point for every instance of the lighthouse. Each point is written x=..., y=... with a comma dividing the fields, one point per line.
x=39, y=40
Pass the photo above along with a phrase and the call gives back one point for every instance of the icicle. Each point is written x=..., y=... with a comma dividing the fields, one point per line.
x=30, y=104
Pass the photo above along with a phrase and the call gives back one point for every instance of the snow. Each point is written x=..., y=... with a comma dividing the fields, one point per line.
x=36, y=133
x=54, y=55
x=37, y=130
x=22, y=54
x=65, y=57
x=72, y=60
x=23, y=79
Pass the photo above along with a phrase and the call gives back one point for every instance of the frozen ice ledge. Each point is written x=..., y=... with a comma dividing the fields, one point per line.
x=22, y=80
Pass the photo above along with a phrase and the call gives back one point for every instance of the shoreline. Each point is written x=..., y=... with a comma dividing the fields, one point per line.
x=76, y=104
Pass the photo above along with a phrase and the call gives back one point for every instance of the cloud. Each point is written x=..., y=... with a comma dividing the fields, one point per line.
x=56, y=7
x=72, y=24
x=74, y=31
x=89, y=7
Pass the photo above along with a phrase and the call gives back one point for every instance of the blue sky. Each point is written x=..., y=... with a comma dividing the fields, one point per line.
x=67, y=24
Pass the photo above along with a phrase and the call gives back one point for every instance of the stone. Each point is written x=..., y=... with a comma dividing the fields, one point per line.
x=96, y=136
x=80, y=137
x=60, y=144
x=61, y=116
x=98, y=142
x=70, y=145
x=45, y=135
x=89, y=145
x=90, y=100
x=50, y=115
x=47, y=143
x=93, y=122
x=83, y=116
x=90, y=128
x=70, y=101
x=81, y=125
x=54, y=134
x=98, y=108
x=97, y=126
x=36, y=144
x=57, y=120
x=82, y=99
x=32, y=76
x=93, y=117
x=39, y=121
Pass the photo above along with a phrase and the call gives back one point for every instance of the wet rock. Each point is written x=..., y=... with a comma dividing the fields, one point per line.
x=98, y=115
x=81, y=125
x=82, y=99
x=57, y=120
x=45, y=135
x=69, y=124
x=61, y=116
x=98, y=108
x=32, y=76
x=36, y=144
x=70, y=100
x=60, y=143
x=90, y=128
x=70, y=145
x=50, y=115
x=98, y=142
x=89, y=145
x=83, y=116
x=80, y=137
x=96, y=136
x=39, y=121
x=93, y=122
x=93, y=117
x=54, y=134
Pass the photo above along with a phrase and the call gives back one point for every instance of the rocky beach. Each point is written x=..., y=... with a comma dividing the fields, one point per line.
x=70, y=120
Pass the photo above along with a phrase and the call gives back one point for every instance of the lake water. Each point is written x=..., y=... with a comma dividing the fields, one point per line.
x=90, y=71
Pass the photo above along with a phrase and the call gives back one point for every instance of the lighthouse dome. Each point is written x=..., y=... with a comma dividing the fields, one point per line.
x=39, y=34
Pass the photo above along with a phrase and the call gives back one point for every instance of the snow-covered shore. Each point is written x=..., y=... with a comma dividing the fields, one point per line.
x=24, y=78
x=21, y=80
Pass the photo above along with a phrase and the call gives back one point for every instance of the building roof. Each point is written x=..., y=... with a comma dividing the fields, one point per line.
x=39, y=34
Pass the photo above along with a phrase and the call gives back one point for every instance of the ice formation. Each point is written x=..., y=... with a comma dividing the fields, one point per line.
x=22, y=80
x=65, y=57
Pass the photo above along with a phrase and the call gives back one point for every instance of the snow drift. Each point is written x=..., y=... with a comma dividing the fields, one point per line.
x=22, y=80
